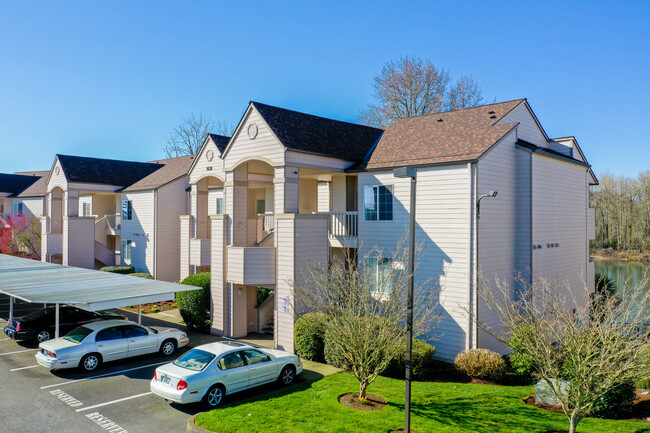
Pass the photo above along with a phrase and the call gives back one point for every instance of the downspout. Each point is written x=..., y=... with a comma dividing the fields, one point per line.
x=470, y=252
x=475, y=229
x=155, y=233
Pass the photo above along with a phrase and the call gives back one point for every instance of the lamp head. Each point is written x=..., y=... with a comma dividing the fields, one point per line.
x=492, y=193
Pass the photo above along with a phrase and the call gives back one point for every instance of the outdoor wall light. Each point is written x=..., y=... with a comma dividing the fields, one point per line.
x=490, y=194
x=239, y=291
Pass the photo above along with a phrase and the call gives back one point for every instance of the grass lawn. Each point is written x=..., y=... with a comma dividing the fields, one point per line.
x=436, y=407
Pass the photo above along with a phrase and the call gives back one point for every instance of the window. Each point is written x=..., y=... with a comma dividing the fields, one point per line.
x=378, y=203
x=195, y=360
x=18, y=207
x=230, y=361
x=127, y=247
x=112, y=333
x=127, y=209
x=78, y=334
x=219, y=206
x=255, y=356
x=132, y=331
x=86, y=209
x=380, y=272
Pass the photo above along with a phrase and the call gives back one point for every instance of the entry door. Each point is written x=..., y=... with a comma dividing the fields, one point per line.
x=140, y=341
x=111, y=343
x=234, y=372
x=262, y=368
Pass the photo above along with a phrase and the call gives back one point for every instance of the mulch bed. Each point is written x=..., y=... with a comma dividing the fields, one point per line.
x=153, y=308
x=351, y=400
x=641, y=407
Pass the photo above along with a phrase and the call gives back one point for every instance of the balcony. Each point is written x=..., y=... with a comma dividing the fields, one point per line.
x=342, y=228
x=251, y=266
x=200, y=252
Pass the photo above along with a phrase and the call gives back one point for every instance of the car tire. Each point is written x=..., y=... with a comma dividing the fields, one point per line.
x=287, y=375
x=90, y=362
x=168, y=347
x=215, y=395
x=42, y=335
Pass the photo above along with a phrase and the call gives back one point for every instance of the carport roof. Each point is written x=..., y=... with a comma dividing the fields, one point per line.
x=49, y=283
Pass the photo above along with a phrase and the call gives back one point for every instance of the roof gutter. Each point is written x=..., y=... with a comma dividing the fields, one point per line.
x=550, y=153
x=431, y=164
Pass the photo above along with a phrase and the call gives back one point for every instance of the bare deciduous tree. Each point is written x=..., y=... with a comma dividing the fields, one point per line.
x=579, y=354
x=465, y=93
x=366, y=310
x=413, y=87
x=188, y=136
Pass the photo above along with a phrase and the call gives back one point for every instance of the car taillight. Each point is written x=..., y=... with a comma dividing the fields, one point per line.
x=155, y=376
x=48, y=353
x=181, y=385
x=18, y=327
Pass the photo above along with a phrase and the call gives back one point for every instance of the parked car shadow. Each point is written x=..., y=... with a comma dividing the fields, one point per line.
x=260, y=393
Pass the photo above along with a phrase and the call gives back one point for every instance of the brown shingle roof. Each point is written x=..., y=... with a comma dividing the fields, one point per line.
x=14, y=184
x=450, y=136
x=171, y=169
x=38, y=188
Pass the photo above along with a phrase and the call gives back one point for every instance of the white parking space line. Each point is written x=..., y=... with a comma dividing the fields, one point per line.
x=114, y=401
x=113, y=373
x=17, y=351
x=25, y=368
x=5, y=339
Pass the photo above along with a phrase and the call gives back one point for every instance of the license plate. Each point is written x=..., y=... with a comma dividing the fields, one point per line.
x=165, y=380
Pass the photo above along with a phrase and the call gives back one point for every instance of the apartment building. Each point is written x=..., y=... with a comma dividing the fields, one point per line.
x=21, y=192
x=291, y=188
x=104, y=212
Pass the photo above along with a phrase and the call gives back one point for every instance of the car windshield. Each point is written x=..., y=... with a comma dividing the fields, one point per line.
x=78, y=334
x=195, y=360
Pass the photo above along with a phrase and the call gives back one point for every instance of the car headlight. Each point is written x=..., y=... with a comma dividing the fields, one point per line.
x=183, y=336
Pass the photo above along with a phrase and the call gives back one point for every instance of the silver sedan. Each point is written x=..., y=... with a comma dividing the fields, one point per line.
x=209, y=372
x=88, y=346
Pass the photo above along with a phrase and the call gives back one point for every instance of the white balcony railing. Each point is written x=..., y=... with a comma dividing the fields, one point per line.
x=268, y=221
x=342, y=224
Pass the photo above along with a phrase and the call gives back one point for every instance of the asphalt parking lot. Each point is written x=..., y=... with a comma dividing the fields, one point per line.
x=116, y=398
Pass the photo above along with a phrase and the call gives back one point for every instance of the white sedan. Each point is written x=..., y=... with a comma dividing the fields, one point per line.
x=209, y=372
x=88, y=346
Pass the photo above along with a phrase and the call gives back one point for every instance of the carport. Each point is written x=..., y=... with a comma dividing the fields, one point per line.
x=48, y=283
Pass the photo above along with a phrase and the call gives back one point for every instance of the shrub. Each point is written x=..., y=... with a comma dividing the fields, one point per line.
x=262, y=295
x=480, y=364
x=331, y=353
x=194, y=306
x=118, y=269
x=309, y=335
x=618, y=402
x=421, y=360
x=142, y=275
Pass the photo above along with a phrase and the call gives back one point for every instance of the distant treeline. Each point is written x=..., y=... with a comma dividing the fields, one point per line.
x=622, y=212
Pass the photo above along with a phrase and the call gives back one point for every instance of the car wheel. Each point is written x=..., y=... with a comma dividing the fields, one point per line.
x=287, y=375
x=214, y=396
x=43, y=335
x=90, y=362
x=168, y=347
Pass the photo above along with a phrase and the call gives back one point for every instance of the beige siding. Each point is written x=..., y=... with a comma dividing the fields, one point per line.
x=57, y=179
x=140, y=230
x=85, y=199
x=31, y=206
x=338, y=194
x=307, y=160
x=203, y=167
x=528, y=129
x=498, y=225
x=308, y=195
x=560, y=204
x=442, y=230
x=264, y=146
x=251, y=265
x=104, y=204
x=79, y=242
x=213, y=195
x=171, y=204
x=186, y=223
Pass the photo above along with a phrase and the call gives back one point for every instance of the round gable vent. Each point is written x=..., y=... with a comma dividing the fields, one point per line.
x=252, y=131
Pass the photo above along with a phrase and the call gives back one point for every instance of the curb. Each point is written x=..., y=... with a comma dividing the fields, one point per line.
x=193, y=428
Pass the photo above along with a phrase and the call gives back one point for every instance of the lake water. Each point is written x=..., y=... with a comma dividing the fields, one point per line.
x=624, y=273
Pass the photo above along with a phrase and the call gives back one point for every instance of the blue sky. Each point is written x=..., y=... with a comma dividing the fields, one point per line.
x=110, y=79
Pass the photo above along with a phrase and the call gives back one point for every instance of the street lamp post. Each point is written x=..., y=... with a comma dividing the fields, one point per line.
x=409, y=172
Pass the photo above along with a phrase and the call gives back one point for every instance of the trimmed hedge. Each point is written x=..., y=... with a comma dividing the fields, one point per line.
x=194, y=306
x=480, y=364
x=421, y=360
x=617, y=403
x=142, y=275
x=119, y=269
x=309, y=336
